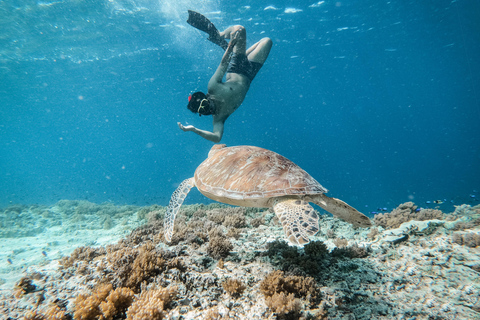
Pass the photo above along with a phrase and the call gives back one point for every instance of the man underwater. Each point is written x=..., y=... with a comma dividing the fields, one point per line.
x=240, y=65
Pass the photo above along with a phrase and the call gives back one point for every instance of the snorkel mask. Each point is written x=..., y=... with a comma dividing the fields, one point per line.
x=199, y=103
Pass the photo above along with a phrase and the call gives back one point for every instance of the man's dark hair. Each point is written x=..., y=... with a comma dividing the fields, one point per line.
x=194, y=101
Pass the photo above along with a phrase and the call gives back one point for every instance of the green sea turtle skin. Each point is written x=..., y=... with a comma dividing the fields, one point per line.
x=255, y=177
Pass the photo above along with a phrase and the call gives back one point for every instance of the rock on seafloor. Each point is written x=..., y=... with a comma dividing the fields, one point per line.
x=78, y=260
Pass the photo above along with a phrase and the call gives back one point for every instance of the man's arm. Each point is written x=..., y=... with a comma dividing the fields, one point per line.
x=222, y=67
x=214, y=136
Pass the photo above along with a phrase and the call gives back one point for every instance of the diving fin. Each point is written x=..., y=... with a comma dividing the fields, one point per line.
x=200, y=22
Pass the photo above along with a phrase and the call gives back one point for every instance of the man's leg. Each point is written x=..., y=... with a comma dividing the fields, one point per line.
x=259, y=51
x=238, y=32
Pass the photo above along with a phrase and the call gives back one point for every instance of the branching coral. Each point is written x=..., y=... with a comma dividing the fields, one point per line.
x=116, y=303
x=151, y=304
x=234, y=287
x=373, y=233
x=152, y=231
x=282, y=293
x=218, y=246
x=301, y=287
x=233, y=233
x=33, y=315
x=470, y=239
x=86, y=307
x=105, y=304
x=403, y=213
x=256, y=222
x=284, y=305
x=133, y=266
x=55, y=313
x=24, y=286
x=289, y=257
x=82, y=254
x=235, y=221
x=340, y=242
x=354, y=251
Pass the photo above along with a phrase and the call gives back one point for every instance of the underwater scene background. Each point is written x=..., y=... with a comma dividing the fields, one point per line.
x=378, y=101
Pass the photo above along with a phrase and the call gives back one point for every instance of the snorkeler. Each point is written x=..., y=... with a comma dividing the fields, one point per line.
x=240, y=65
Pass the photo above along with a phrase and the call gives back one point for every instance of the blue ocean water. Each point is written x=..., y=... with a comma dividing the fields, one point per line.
x=379, y=101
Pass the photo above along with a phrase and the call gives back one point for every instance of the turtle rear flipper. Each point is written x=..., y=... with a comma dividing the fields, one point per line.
x=341, y=210
x=174, y=205
x=298, y=219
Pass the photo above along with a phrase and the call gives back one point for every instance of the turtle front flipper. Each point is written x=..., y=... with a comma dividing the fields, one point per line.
x=341, y=210
x=175, y=203
x=298, y=219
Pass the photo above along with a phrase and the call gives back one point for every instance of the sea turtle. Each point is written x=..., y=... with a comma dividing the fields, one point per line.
x=254, y=177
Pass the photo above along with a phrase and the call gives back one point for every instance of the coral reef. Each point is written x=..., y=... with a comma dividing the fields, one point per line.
x=219, y=246
x=256, y=222
x=373, y=233
x=470, y=239
x=313, y=259
x=285, y=306
x=234, y=287
x=151, y=304
x=301, y=287
x=235, y=270
x=86, y=307
x=130, y=267
x=24, y=286
x=24, y=221
x=107, y=304
x=353, y=251
x=340, y=242
x=82, y=254
x=404, y=213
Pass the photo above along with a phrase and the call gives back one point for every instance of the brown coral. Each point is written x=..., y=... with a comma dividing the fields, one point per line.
x=82, y=254
x=216, y=215
x=105, y=304
x=86, y=307
x=301, y=287
x=235, y=221
x=353, y=251
x=24, y=286
x=234, y=287
x=151, y=304
x=284, y=305
x=394, y=219
x=405, y=212
x=340, y=242
x=373, y=233
x=428, y=214
x=116, y=303
x=152, y=231
x=470, y=239
x=218, y=246
x=33, y=315
x=234, y=233
x=133, y=266
x=54, y=312
x=256, y=222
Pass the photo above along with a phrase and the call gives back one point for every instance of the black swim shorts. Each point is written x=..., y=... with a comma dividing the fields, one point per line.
x=241, y=65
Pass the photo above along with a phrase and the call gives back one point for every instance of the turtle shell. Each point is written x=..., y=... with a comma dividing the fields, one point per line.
x=250, y=176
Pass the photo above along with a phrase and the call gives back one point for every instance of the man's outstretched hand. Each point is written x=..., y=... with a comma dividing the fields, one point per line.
x=185, y=128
